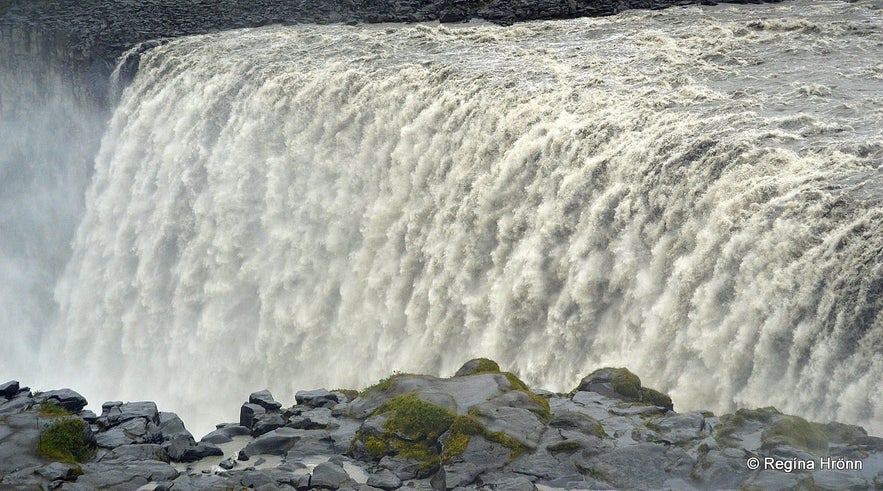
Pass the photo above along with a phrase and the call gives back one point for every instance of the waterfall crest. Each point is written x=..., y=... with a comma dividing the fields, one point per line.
x=691, y=194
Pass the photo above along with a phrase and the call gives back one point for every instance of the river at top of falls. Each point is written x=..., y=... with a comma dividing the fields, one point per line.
x=692, y=193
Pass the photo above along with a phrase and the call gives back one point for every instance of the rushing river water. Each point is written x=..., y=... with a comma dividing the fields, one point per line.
x=693, y=193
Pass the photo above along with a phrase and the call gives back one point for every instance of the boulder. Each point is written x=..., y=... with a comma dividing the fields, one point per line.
x=617, y=383
x=266, y=423
x=328, y=475
x=141, y=409
x=249, y=413
x=66, y=398
x=126, y=433
x=384, y=479
x=264, y=399
x=478, y=366
x=225, y=434
x=318, y=398
x=276, y=442
x=171, y=426
x=9, y=389
x=183, y=449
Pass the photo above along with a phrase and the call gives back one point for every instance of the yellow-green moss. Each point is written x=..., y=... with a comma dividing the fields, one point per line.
x=796, y=432
x=545, y=413
x=655, y=398
x=484, y=365
x=625, y=382
x=376, y=447
x=64, y=440
x=50, y=409
x=416, y=419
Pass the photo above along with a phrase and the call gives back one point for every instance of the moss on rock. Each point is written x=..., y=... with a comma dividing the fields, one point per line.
x=64, y=440
x=478, y=366
x=656, y=398
x=625, y=382
x=545, y=412
x=796, y=432
x=51, y=409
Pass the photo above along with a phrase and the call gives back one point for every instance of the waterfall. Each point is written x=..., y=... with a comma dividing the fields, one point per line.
x=694, y=194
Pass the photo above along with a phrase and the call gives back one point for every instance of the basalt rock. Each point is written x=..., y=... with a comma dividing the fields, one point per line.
x=483, y=429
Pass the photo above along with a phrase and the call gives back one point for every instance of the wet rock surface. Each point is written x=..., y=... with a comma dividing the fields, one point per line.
x=479, y=430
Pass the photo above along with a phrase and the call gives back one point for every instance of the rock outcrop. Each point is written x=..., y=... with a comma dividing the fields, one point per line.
x=481, y=429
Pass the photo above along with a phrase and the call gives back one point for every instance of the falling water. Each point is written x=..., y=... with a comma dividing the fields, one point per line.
x=693, y=193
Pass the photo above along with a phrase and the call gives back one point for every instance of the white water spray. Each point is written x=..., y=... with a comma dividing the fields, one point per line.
x=693, y=194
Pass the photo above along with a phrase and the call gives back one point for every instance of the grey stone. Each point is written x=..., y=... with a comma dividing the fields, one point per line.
x=581, y=422
x=461, y=474
x=317, y=398
x=311, y=442
x=124, y=476
x=57, y=471
x=506, y=481
x=328, y=475
x=519, y=424
x=266, y=423
x=249, y=413
x=641, y=466
x=140, y=409
x=264, y=399
x=403, y=468
x=66, y=398
x=839, y=480
x=19, y=436
x=145, y=451
x=314, y=419
x=225, y=434
x=183, y=449
x=126, y=433
x=384, y=479
x=276, y=442
x=678, y=428
x=9, y=389
x=171, y=426
x=770, y=480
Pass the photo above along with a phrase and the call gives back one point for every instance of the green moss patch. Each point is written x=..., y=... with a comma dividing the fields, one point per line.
x=64, y=440
x=796, y=432
x=50, y=409
x=655, y=398
x=478, y=366
x=625, y=382
x=419, y=430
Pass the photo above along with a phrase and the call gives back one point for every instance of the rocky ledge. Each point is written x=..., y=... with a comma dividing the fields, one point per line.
x=480, y=429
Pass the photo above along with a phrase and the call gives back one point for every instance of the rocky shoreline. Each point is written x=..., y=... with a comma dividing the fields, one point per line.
x=480, y=429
